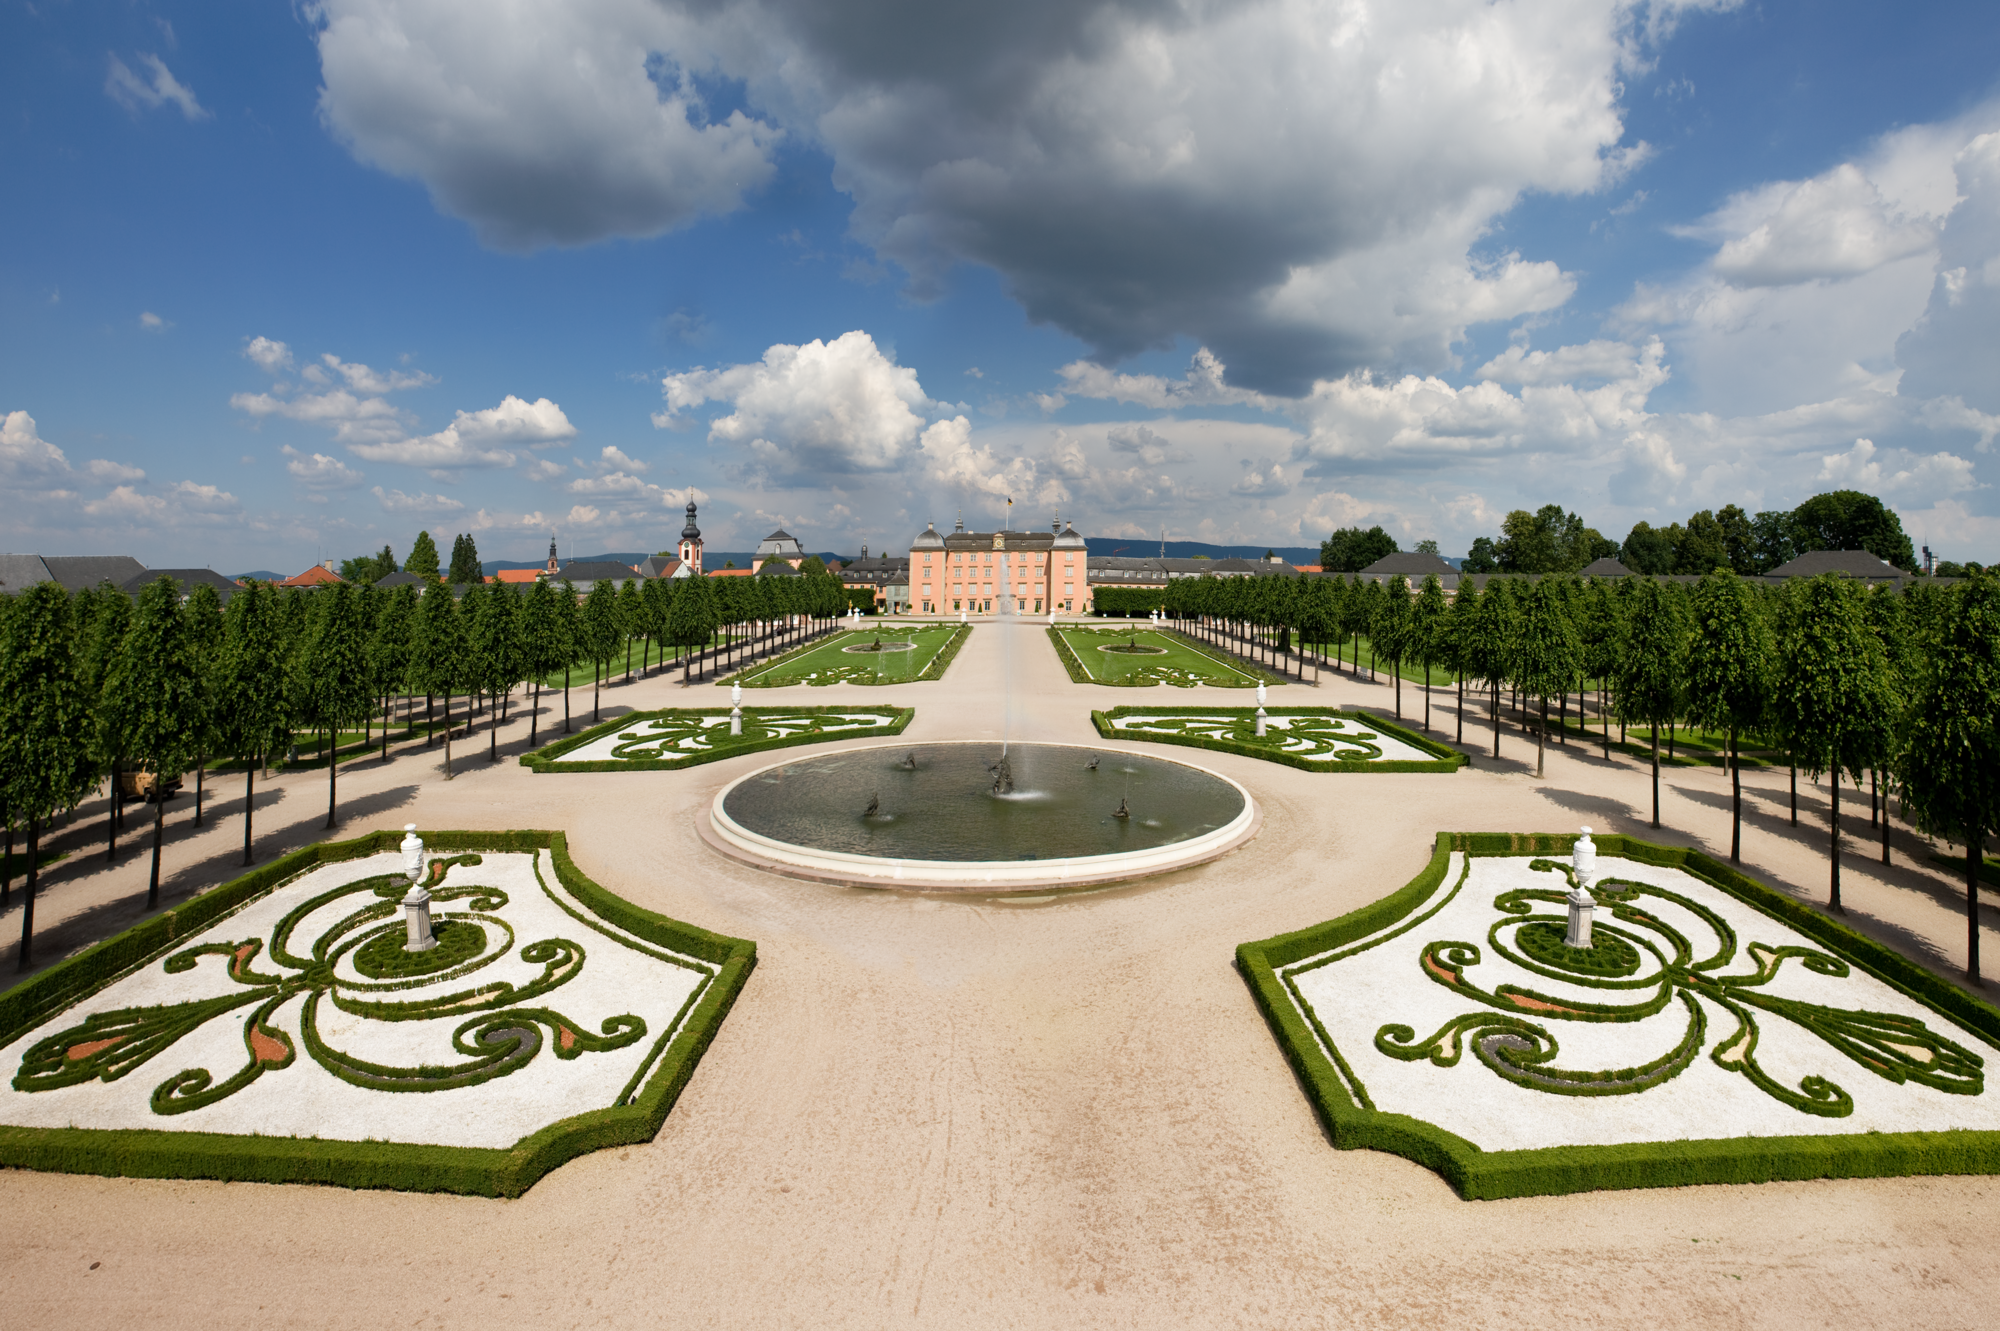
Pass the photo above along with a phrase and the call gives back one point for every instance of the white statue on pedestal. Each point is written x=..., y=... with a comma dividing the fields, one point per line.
x=735, y=709
x=1260, y=708
x=1583, y=862
x=417, y=905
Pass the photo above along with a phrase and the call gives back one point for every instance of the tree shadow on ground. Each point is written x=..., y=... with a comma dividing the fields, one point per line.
x=179, y=882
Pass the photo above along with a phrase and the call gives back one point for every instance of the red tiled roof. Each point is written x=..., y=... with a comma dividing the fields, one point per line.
x=517, y=575
x=731, y=572
x=316, y=576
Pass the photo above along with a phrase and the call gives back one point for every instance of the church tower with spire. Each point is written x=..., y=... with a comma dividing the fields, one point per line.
x=691, y=543
x=554, y=570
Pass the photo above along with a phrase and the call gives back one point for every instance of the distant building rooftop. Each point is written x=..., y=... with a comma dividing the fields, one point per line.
x=1607, y=567
x=1854, y=563
x=1409, y=563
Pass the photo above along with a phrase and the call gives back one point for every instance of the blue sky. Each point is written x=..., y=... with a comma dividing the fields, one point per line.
x=283, y=282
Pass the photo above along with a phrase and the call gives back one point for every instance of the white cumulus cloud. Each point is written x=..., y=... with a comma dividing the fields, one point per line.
x=270, y=356
x=317, y=471
x=804, y=411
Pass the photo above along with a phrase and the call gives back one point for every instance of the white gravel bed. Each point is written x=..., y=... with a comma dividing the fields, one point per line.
x=1361, y=991
x=619, y=975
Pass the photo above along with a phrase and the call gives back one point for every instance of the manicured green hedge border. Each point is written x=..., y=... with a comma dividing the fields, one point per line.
x=1448, y=760
x=1478, y=1174
x=1989, y=869
x=489, y=1172
x=1068, y=658
x=949, y=653
x=548, y=758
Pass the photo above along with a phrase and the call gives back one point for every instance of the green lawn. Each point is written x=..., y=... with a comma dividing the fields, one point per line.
x=1345, y=653
x=836, y=659
x=1161, y=659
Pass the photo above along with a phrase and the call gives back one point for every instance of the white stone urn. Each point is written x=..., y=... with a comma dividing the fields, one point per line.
x=417, y=905
x=1583, y=861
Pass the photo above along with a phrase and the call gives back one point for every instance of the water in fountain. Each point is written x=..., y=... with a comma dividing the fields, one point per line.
x=1039, y=802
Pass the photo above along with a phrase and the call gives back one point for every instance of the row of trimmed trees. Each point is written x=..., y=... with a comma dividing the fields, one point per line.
x=104, y=686
x=1900, y=690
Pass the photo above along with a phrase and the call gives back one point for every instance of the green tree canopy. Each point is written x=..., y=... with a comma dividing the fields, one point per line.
x=465, y=568
x=1651, y=688
x=1831, y=693
x=46, y=761
x=370, y=568
x=1729, y=673
x=1851, y=520
x=1350, y=549
x=166, y=697
x=1952, y=774
x=1548, y=540
x=423, y=561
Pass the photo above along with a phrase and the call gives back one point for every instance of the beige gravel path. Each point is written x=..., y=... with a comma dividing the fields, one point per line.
x=974, y=1113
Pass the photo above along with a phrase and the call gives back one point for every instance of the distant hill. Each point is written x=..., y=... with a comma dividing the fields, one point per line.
x=262, y=575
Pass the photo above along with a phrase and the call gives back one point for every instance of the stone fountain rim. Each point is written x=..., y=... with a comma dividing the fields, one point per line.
x=984, y=877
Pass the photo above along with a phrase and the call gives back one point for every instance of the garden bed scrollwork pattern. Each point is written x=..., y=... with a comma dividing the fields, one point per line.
x=1649, y=971
x=503, y=1028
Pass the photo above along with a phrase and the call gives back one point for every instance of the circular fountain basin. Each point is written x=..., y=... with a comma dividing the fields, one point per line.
x=943, y=826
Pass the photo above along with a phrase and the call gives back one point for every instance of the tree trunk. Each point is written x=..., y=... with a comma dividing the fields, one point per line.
x=159, y=832
x=111, y=818
x=1397, y=666
x=1834, y=842
x=535, y=714
x=249, y=798
x=332, y=771
x=1427, y=697
x=1795, y=790
x=565, y=700
x=1735, y=797
x=1885, y=821
x=1973, y=900
x=1461, y=707
x=1605, y=715
x=28, y=899
x=430, y=720
x=1496, y=720
x=200, y=766
x=493, y=737
x=7, y=864
x=1874, y=793
x=1542, y=738
x=596, y=688
x=1656, y=776
x=447, y=737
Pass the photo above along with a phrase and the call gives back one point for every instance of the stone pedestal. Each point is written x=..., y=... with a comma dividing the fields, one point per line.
x=1583, y=861
x=1260, y=723
x=736, y=720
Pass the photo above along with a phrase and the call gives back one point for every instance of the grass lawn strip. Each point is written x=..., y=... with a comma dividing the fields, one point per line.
x=245, y=1043
x=835, y=660
x=1314, y=738
x=1092, y=657
x=681, y=737
x=1448, y=1023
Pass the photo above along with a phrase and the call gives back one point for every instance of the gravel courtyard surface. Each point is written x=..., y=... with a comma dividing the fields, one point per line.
x=981, y=1112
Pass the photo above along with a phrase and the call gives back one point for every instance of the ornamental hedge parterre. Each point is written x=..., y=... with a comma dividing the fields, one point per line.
x=1241, y=737
x=763, y=728
x=501, y=1033
x=1661, y=956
